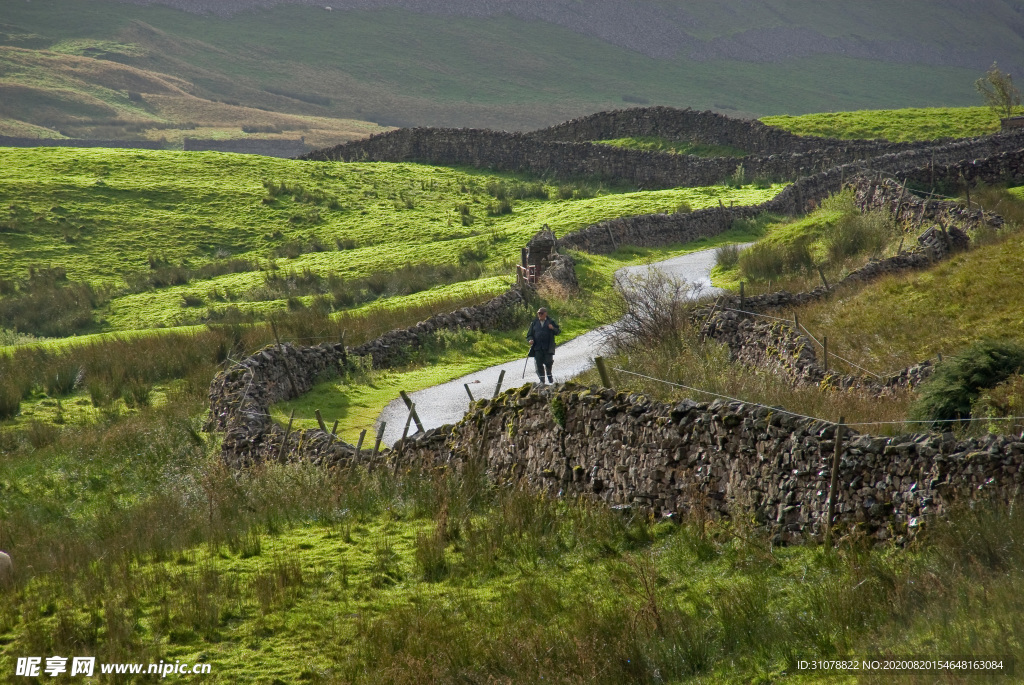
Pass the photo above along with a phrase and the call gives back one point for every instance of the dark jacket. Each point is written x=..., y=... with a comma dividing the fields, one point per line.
x=543, y=337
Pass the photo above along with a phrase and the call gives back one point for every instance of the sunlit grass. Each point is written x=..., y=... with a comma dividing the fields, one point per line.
x=893, y=124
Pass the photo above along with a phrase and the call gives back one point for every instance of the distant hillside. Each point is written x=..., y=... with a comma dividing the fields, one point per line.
x=942, y=33
x=497, y=64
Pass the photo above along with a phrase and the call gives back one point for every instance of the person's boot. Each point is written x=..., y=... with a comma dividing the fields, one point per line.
x=551, y=378
x=541, y=381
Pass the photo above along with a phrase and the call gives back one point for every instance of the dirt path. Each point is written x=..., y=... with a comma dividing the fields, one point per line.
x=447, y=402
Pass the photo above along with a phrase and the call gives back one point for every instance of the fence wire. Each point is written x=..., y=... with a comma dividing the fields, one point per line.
x=813, y=418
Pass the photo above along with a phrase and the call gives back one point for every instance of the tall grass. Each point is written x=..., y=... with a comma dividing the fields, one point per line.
x=501, y=584
x=405, y=280
x=835, y=238
x=664, y=343
x=763, y=261
x=902, y=319
x=48, y=305
x=128, y=368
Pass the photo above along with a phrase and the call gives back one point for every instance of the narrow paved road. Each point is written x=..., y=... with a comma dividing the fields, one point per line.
x=448, y=402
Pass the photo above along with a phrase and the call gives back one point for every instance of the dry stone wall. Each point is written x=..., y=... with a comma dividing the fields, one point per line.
x=786, y=351
x=525, y=152
x=731, y=458
x=688, y=125
x=873, y=188
x=493, y=314
x=12, y=141
x=781, y=347
x=268, y=147
x=241, y=396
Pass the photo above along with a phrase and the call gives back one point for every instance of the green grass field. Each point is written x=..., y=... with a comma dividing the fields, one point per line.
x=151, y=550
x=959, y=301
x=656, y=144
x=111, y=218
x=356, y=401
x=880, y=325
x=893, y=124
x=134, y=542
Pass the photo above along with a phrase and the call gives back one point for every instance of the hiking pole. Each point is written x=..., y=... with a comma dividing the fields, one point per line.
x=525, y=364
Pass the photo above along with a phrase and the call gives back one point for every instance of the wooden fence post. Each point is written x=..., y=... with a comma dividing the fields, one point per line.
x=320, y=420
x=602, y=369
x=823, y=279
x=837, y=455
x=468, y=392
x=284, y=443
x=405, y=434
x=497, y=388
x=899, y=202
x=359, y=446
x=412, y=411
x=703, y=328
x=380, y=436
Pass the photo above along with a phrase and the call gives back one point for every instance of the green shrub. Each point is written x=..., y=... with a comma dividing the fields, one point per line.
x=99, y=394
x=575, y=191
x=526, y=191
x=558, y=410
x=62, y=378
x=41, y=434
x=497, y=189
x=856, y=234
x=190, y=300
x=10, y=400
x=472, y=254
x=465, y=214
x=136, y=392
x=50, y=308
x=1003, y=401
x=957, y=383
x=763, y=261
x=727, y=256
x=739, y=177
x=430, y=554
x=503, y=206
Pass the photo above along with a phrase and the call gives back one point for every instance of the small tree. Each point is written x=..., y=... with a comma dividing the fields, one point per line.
x=998, y=91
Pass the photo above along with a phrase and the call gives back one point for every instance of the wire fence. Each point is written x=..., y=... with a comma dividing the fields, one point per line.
x=779, y=410
x=831, y=354
x=885, y=174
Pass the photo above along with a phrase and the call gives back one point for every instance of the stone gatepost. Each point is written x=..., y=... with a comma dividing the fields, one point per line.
x=536, y=256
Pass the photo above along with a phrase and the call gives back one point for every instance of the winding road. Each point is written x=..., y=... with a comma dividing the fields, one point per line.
x=448, y=402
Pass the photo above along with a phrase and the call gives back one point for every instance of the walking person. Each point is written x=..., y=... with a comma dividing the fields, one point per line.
x=541, y=337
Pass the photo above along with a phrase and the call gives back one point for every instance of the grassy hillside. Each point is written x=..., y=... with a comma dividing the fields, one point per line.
x=893, y=124
x=68, y=91
x=164, y=238
x=958, y=302
x=134, y=542
x=398, y=67
x=899, y=320
x=148, y=549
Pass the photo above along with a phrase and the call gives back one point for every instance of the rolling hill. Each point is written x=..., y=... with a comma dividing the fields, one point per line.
x=152, y=69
